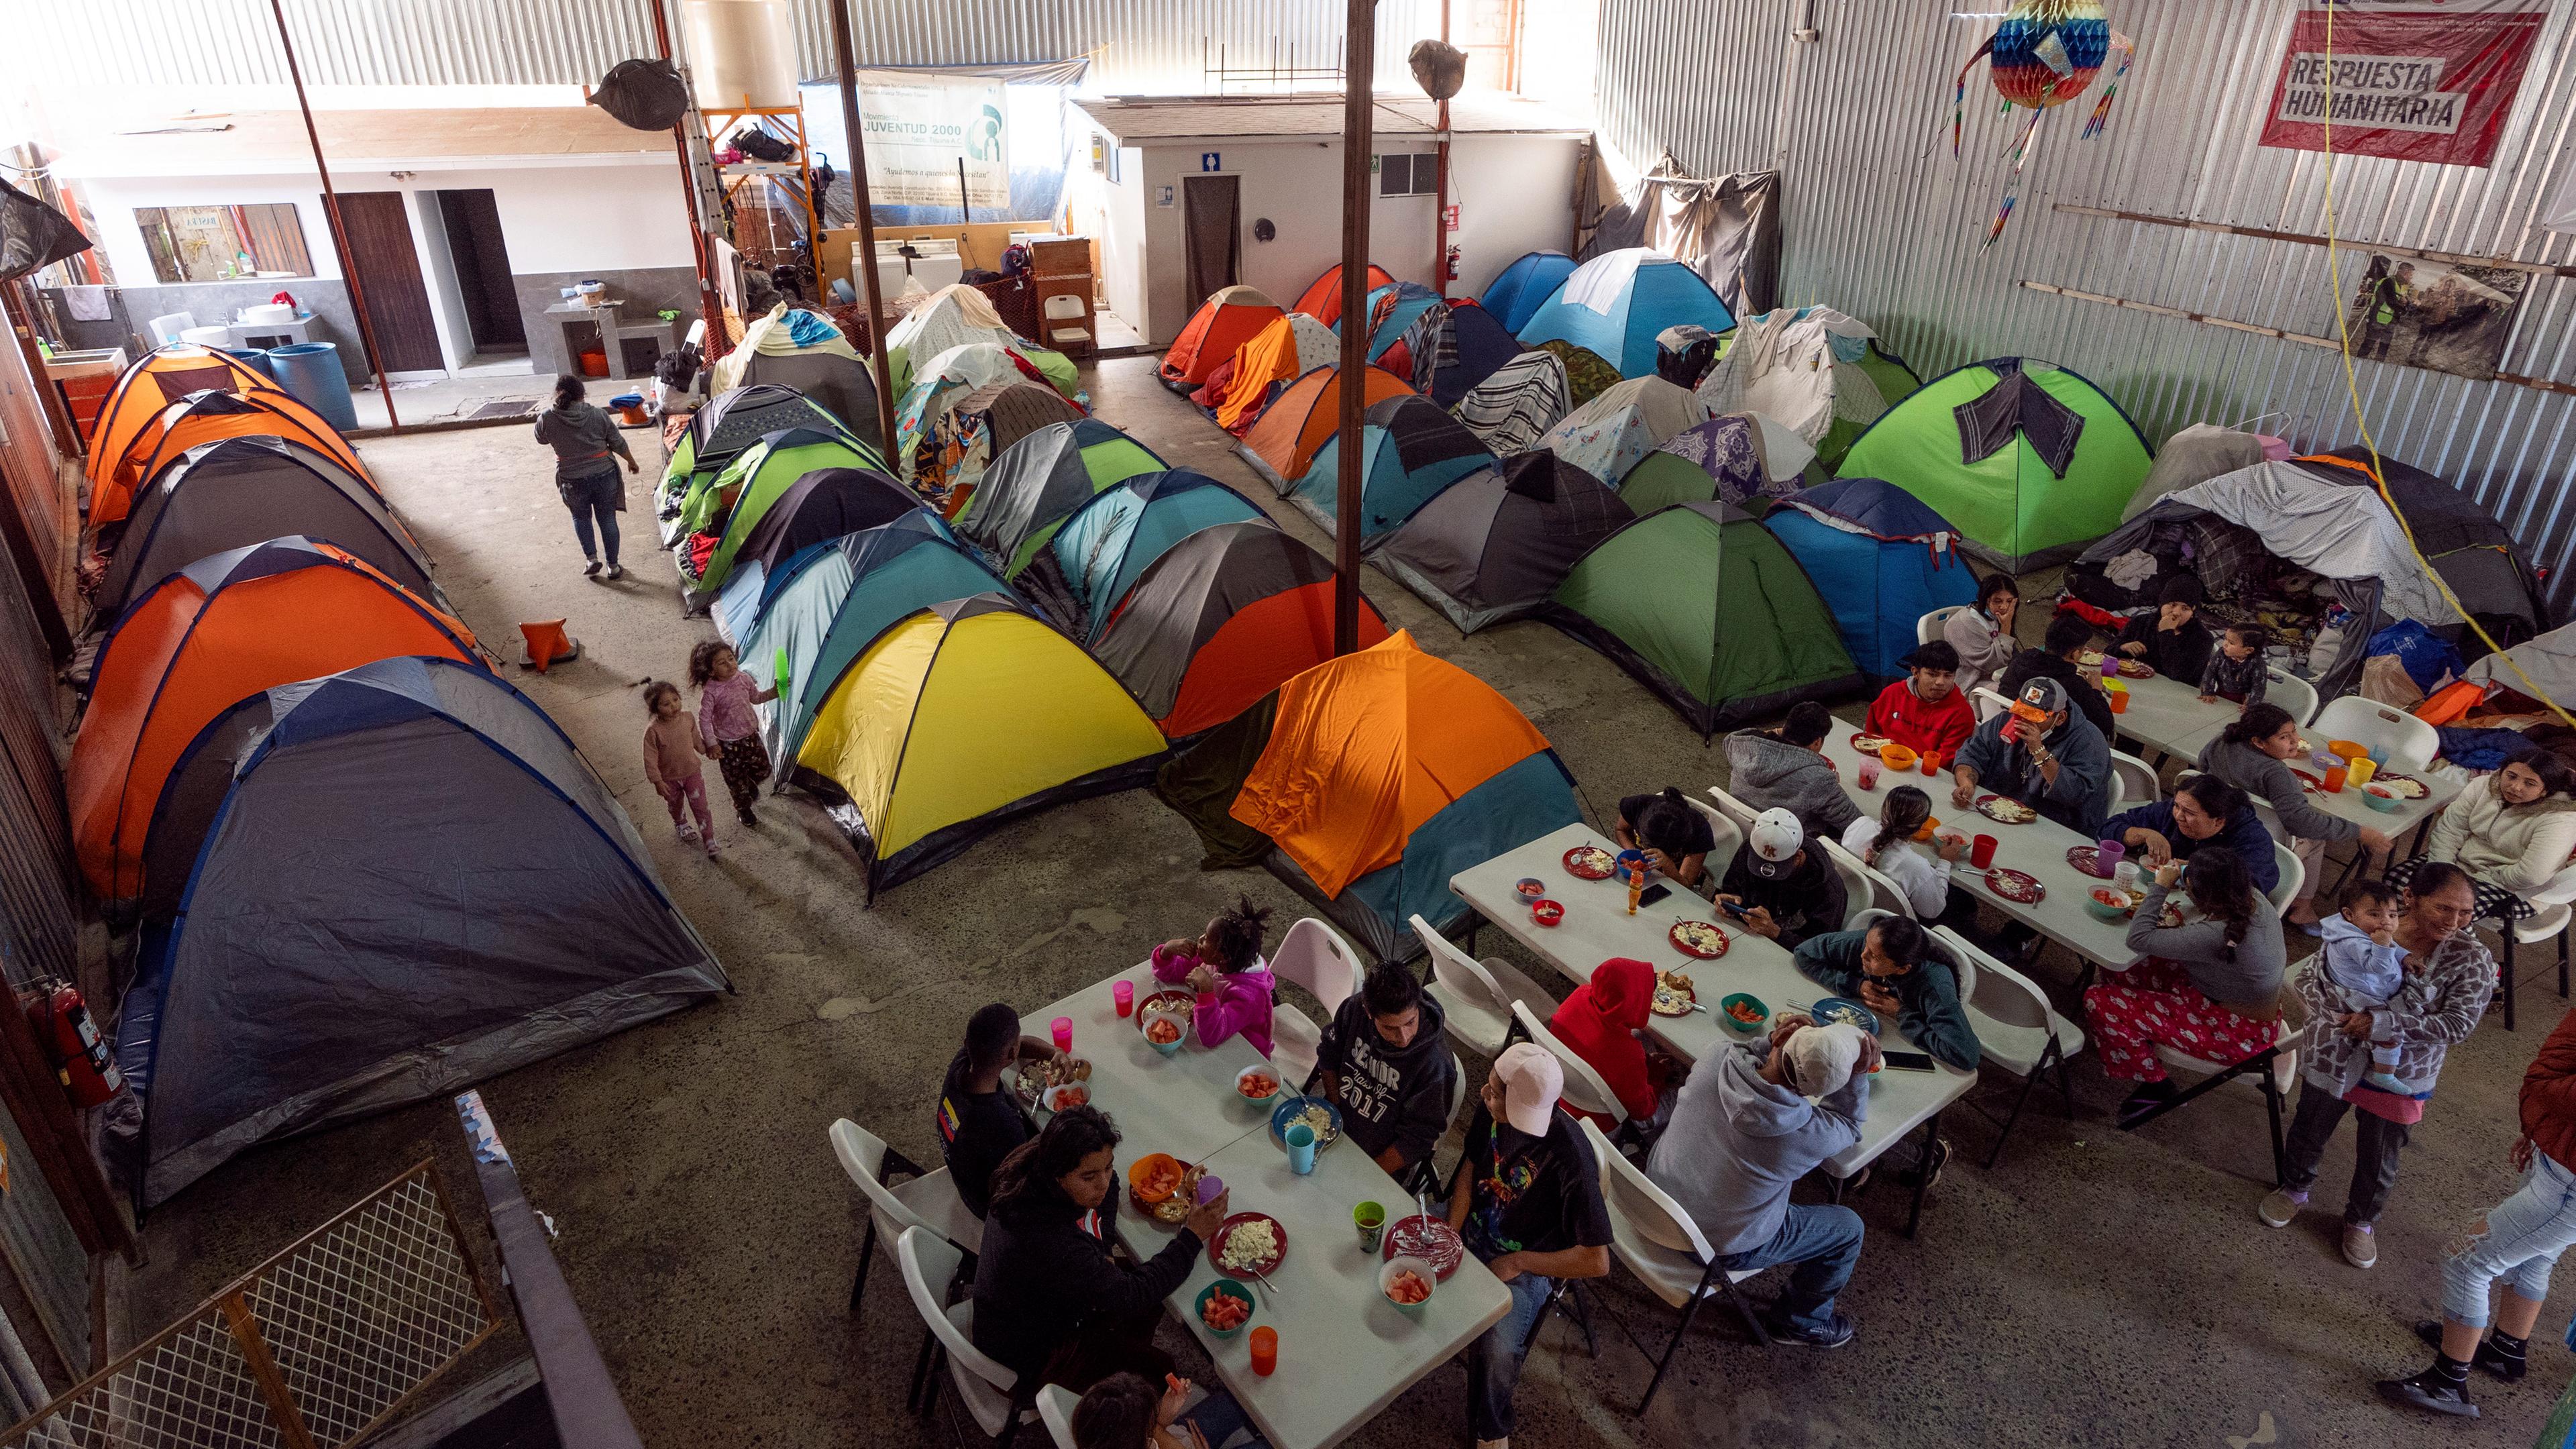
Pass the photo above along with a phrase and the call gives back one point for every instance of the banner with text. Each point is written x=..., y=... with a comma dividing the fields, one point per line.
x=2412, y=80
x=920, y=128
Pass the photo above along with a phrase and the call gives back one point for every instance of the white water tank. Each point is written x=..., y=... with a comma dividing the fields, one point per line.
x=742, y=52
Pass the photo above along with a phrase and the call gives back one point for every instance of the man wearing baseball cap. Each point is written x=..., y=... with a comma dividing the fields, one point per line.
x=1778, y=887
x=1528, y=1203
x=2043, y=754
x=1751, y=1123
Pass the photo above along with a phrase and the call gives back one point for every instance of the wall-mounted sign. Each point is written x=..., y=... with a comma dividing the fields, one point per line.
x=920, y=128
x=2411, y=80
x=1211, y=161
x=1163, y=196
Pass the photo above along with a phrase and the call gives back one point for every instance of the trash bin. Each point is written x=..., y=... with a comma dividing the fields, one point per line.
x=254, y=359
x=311, y=371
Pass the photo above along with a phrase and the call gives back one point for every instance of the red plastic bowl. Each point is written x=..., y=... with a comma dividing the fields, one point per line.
x=1546, y=913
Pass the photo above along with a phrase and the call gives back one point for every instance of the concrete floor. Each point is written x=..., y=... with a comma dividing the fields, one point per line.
x=2097, y=1288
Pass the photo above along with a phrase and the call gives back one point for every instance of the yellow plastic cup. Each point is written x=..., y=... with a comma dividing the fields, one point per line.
x=2359, y=769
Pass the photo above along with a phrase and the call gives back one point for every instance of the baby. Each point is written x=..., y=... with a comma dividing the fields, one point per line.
x=2236, y=671
x=2364, y=963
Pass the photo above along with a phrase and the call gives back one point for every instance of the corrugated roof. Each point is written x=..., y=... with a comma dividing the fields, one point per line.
x=245, y=143
x=1169, y=118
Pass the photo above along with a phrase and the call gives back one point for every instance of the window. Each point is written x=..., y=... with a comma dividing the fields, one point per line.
x=1408, y=175
x=224, y=243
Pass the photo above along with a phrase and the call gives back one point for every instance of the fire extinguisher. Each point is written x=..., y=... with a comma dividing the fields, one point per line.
x=81, y=1059
x=1452, y=263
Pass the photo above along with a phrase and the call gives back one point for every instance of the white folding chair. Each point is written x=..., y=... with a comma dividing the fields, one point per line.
x=1727, y=840
x=1316, y=957
x=2294, y=876
x=2273, y=1082
x=987, y=1389
x=165, y=329
x=2292, y=693
x=1055, y=1410
x=1476, y=996
x=2550, y=909
x=1736, y=810
x=2133, y=781
x=1664, y=1250
x=927, y=1200
x=2016, y=1029
x=1929, y=627
x=2409, y=743
x=1988, y=703
x=1864, y=889
x=1585, y=1091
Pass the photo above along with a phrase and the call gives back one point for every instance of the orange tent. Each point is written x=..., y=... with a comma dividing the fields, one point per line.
x=1390, y=726
x=1303, y=419
x=224, y=628
x=202, y=418
x=1322, y=299
x=156, y=380
x=1285, y=349
x=1228, y=320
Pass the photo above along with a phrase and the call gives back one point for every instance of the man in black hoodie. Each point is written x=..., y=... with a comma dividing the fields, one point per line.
x=1383, y=1063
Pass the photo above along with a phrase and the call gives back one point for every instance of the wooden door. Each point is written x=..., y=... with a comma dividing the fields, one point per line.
x=1210, y=217
x=388, y=266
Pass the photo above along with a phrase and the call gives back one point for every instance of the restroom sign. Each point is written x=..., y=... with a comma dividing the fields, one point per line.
x=1209, y=161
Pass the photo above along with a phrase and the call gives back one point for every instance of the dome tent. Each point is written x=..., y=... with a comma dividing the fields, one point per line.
x=717, y=434
x=984, y=423
x=1282, y=446
x=1615, y=303
x=1322, y=299
x=338, y=947
x=1492, y=544
x=1515, y=406
x=1517, y=292
x=1410, y=450
x=1449, y=350
x=1611, y=434
x=1280, y=353
x=152, y=382
x=1040, y=480
x=735, y=500
x=1224, y=322
x=1820, y=373
x=824, y=505
x=206, y=417
x=1887, y=560
x=1741, y=458
x=1087, y=567
x=1392, y=310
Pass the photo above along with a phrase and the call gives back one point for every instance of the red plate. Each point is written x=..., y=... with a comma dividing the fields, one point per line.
x=2088, y=859
x=2014, y=885
x=1870, y=748
x=1683, y=945
x=1225, y=1232
x=2308, y=782
x=1596, y=863
x=1985, y=800
x=2386, y=778
x=2136, y=669
x=1429, y=1238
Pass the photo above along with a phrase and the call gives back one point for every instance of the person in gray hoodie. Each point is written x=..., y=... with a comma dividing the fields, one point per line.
x=1383, y=1062
x=2253, y=754
x=1750, y=1123
x=1787, y=769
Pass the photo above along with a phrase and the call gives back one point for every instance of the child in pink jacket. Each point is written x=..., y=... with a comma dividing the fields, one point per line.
x=1226, y=968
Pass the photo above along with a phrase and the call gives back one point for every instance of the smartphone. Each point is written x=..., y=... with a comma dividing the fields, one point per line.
x=1652, y=894
x=1906, y=1061
x=1730, y=907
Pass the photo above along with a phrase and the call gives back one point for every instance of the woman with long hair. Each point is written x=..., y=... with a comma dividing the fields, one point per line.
x=587, y=447
x=2210, y=985
x=1050, y=1301
x=2253, y=754
x=2511, y=831
x=1983, y=632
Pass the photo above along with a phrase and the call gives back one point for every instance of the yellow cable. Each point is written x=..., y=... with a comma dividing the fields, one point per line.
x=2352, y=388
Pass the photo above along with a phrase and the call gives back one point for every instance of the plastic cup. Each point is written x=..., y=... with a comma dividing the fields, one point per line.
x=1931, y=762
x=1265, y=1350
x=2334, y=780
x=1124, y=993
x=1370, y=1219
x=2360, y=771
x=2119, y=701
x=1981, y=851
x=1869, y=774
x=2108, y=854
x=1062, y=1026
x=2127, y=875
x=1211, y=1187
x=1301, y=1149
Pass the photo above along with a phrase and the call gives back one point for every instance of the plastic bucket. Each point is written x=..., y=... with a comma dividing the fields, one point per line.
x=311, y=371
x=254, y=359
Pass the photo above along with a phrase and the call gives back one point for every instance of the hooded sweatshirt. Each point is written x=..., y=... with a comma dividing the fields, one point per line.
x=1240, y=1002
x=1903, y=716
x=1765, y=771
x=2270, y=780
x=1042, y=1278
x=1390, y=1096
x=1927, y=997
x=1736, y=1143
x=2512, y=847
x=1598, y=1022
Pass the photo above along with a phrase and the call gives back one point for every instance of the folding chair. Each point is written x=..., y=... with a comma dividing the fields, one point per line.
x=2294, y=876
x=1736, y=810
x=2408, y=742
x=2294, y=694
x=1475, y=996
x=1055, y=1410
x=2550, y=906
x=2133, y=781
x=988, y=1390
x=1988, y=703
x=1314, y=956
x=1664, y=1250
x=929, y=1200
x=1865, y=887
x=1929, y=627
x=2270, y=1071
x=2016, y=1029
x=1726, y=838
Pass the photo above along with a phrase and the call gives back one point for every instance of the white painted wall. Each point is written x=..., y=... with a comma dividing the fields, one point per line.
x=438, y=273
x=112, y=201
x=1514, y=194
x=1124, y=206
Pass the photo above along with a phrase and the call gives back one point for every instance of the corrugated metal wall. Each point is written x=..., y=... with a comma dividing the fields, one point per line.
x=1135, y=45
x=1882, y=223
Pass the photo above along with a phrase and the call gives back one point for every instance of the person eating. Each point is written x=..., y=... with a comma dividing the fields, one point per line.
x=1675, y=837
x=2205, y=810
x=2043, y=754
x=1601, y=1023
x=1926, y=711
x=1777, y=887
x=2252, y=754
x=1383, y=1063
x=2210, y=986
x=2060, y=657
x=978, y=1122
x=1982, y=633
x=1890, y=968
x=2171, y=641
x=1787, y=768
x=2511, y=831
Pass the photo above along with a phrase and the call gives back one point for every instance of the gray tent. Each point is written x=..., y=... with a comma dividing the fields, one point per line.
x=840, y=384
x=1035, y=484
x=236, y=492
x=405, y=879
x=2193, y=456
x=2550, y=660
x=1493, y=545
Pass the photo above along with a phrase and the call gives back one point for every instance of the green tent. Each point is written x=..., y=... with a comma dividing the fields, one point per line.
x=753, y=481
x=2029, y=460
x=1650, y=596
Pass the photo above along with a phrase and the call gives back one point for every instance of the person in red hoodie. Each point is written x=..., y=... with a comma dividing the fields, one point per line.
x=1925, y=712
x=1600, y=1022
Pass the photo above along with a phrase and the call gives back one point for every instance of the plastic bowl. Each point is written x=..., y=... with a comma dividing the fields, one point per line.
x=1897, y=757
x=1546, y=913
x=1167, y=1048
x=2346, y=749
x=1137, y=1169
x=1530, y=888
x=1225, y=1288
x=2380, y=797
x=1726, y=1008
x=1401, y=1262
x=2106, y=904
x=1263, y=1069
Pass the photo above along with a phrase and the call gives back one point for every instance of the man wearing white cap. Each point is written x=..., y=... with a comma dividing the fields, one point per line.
x=1778, y=887
x=1528, y=1203
x=1748, y=1125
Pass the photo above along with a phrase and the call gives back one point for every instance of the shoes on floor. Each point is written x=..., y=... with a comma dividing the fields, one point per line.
x=2148, y=1097
x=2360, y=1245
x=1927, y=1173
x=2490, y=1359
x=711, y=847
x=749, y=820
x=2429, y=1390
x=2306, y=928
x=590, y=569
x=1833, y=1335
x=688, y=835
x=2279, y=1206
x=615, y=572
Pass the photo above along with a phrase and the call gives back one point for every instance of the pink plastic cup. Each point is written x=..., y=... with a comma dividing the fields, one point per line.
x=1124, y=993
x=1062, y=1026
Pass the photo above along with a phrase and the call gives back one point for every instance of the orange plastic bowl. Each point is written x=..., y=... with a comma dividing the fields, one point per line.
x=1148, y=1165
x=1897, y=757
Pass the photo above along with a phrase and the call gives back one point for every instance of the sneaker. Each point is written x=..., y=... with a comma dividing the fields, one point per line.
x=2429, y=1390
x=615, y=573
x=1927, y=1172
x=2279, y=1206
x=688, y=835
x=590, y=570
x=1833, y=1335
x=711, y=847
x=749, y=820
x=2488, y=1359
x=2360, y=1245
x=2148, y=1097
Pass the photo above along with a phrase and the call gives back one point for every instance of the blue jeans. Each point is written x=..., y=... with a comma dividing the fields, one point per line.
x=1825, y=1244
x=591, y=498
x=1219, y=1418
x=1494, y=1361
x=2524, y=1236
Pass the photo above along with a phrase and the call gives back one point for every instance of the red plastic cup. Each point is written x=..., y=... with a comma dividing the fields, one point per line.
x=1981, y=851
x=2334, y=780
x=1062, y=1026
x=1931, y=762
x=1124, y=993
x=1265, y=1350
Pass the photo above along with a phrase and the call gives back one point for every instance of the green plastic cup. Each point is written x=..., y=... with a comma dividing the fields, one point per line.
x=1370, y=1219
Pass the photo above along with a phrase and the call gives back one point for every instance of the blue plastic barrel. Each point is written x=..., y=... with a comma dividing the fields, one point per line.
x=254, y=359
x=311, y=371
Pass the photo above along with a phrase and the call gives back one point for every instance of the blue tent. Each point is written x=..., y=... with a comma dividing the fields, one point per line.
x=1615, y=303
x=1412, y=451
x=1412, y=299
x=1118, y=535
x=1514, y=296
x=1882, y=559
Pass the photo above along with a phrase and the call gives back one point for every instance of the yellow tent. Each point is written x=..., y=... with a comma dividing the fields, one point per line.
x=965, y=715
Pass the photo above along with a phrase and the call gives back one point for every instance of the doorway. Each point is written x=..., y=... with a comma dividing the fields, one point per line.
x=1211, y=220
x=380, y=246
x=483, y=282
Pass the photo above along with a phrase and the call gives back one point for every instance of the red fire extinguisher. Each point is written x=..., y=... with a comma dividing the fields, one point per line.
x=81, y=1059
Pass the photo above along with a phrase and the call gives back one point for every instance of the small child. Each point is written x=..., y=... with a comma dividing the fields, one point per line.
x=2367, y=967
x=1226, y=968
x=2236, y=669
x=671, y=749
x=725, y=721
